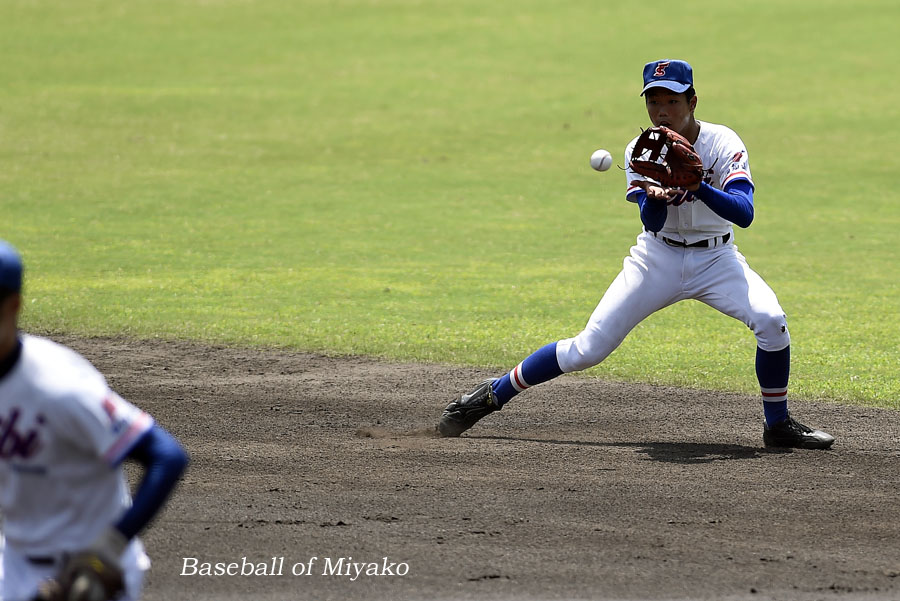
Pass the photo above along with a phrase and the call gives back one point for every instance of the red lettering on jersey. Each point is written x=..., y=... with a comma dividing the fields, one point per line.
x=737, y=156
x=110, y=409
x=661, y=69
x=13, y=441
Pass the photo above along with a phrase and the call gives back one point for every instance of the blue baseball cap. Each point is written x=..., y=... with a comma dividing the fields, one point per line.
x=668, y=73
x=10, y=268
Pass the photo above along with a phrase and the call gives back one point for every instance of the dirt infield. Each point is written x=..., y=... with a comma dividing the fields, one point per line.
x=579, y=489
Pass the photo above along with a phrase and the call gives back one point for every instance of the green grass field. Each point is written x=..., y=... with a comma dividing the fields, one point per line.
x=409, y=179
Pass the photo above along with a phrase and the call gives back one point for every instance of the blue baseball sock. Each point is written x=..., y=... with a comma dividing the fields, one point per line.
x=773, y=369
x=538, y=367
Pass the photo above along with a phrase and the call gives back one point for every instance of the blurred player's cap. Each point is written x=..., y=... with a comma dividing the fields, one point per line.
x=668, y=73
x=10, y=268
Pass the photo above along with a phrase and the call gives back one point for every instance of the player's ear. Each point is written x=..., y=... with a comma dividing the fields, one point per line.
x=11, y=304
x=693, y=102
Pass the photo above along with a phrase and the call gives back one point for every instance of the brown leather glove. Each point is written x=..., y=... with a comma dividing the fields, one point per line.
x=679, y=167
x=93, y=574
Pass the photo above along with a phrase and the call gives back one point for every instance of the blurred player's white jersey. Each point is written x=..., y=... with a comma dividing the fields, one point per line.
x=63, y=433
x=725, y=160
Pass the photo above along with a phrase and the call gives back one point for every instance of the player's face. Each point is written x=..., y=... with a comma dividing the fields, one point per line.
x=667, y=108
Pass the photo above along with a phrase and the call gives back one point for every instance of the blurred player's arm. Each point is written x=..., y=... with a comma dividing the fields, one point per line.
x=163, y=460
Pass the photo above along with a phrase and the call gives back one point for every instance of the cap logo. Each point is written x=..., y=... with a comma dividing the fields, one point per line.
x=661, y=69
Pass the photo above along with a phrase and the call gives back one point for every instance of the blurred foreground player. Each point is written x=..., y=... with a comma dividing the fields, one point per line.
x=69, y=522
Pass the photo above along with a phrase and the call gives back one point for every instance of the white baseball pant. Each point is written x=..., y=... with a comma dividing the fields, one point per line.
x=656, y=275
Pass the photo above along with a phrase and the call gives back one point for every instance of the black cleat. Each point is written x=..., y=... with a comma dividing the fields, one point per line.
x=793, y=434
x=460, y=415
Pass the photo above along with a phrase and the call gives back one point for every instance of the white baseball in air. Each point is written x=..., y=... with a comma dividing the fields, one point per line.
x=601, y=160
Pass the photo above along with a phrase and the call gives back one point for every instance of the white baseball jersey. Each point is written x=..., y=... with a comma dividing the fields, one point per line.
x=725, y=160
x=63, y=433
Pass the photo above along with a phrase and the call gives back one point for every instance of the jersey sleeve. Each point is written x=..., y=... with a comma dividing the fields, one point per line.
x=736, y=163
x=121, y=425
x=102, y=422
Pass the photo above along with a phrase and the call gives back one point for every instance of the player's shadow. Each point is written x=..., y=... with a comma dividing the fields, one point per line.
x=667, y=452
x=695, y=452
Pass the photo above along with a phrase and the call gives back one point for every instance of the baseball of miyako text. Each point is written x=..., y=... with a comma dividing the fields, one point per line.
x=344, y=567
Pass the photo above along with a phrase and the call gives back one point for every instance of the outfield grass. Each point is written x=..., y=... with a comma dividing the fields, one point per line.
x=410, y=179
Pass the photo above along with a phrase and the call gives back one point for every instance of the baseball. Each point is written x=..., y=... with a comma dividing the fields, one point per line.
x=601, y=160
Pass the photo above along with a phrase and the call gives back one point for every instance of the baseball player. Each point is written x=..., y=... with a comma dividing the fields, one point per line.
x=68, y=518
x=685, y=251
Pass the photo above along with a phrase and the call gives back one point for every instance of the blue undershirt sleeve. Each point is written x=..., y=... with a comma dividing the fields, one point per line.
x=653, y=213
x=164, y=461
x=734, y=203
